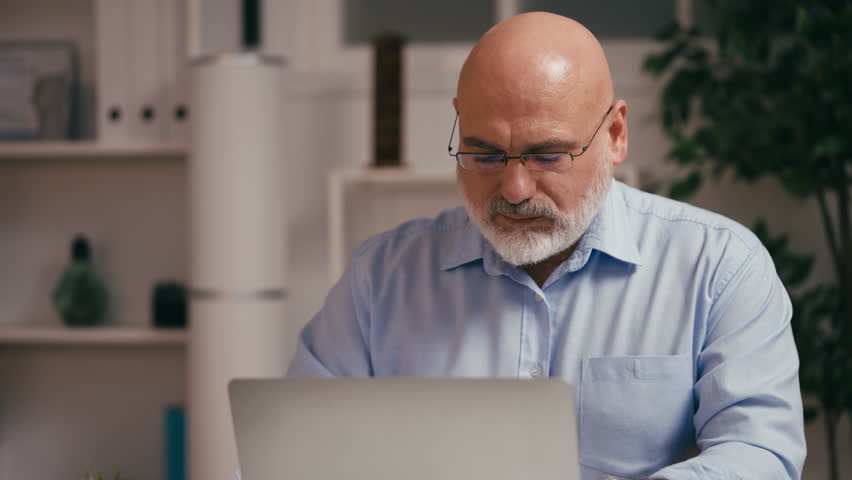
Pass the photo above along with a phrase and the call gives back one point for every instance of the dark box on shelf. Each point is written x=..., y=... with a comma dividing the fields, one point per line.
x=169, y=305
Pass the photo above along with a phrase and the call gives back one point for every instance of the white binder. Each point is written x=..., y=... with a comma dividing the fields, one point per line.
x=147, y=84
x=142, y=71
x=112, y=63
x=174, y=59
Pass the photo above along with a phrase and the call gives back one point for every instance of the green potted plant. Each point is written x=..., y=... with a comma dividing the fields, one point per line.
x=765, y=91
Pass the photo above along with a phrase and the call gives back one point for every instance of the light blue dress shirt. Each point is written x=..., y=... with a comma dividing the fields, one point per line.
x=669, y=320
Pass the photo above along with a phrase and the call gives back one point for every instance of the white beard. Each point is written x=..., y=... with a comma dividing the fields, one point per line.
x=521, y=246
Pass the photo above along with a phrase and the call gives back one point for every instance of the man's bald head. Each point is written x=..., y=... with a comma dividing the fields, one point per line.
x=538, y=83
x=536, y=57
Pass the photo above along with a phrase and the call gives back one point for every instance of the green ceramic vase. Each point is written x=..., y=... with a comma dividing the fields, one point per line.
x=80, y=297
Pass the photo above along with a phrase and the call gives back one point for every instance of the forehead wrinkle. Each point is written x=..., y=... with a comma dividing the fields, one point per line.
x=510, y=124
x=534, y=134
x=479, y=143
x=551, y=144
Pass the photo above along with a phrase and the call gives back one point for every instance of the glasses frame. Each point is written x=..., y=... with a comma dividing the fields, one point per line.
x=524, y=156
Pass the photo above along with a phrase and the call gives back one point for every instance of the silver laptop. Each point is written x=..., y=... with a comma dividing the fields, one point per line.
x=405, y=429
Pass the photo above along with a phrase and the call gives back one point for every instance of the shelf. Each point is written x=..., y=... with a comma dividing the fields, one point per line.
x=10, y=151
x=104, y=336
x=391, y=176
x=367, y=201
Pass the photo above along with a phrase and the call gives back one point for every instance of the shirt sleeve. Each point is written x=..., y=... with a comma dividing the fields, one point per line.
x=748, y=421
x=335, y=342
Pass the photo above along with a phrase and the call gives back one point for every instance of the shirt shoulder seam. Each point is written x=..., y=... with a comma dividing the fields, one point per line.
x=733, y=231
x=733, y=273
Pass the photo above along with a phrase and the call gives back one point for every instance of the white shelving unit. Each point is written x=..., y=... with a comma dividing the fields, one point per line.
x=382, y=198
x=93, y=336
x=77, y=398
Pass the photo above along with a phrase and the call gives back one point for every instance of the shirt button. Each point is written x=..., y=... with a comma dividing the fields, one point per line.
x=538, y=297
x=535, y=370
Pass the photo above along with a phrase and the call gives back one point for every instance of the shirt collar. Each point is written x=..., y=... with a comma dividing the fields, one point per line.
x=610, y=233
x=465, y=245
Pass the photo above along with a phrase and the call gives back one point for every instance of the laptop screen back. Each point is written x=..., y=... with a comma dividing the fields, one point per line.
x=405, y=428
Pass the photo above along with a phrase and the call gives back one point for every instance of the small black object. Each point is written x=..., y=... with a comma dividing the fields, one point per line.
x=169, y=305
x=251, y=24
x=148, y=113
x=387, y=99
x=114, y=114
x=181, y=112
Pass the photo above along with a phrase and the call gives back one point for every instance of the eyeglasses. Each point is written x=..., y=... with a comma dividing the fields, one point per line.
x=489, y=162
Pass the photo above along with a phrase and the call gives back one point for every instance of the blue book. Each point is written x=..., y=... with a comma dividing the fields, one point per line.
x=174, y=441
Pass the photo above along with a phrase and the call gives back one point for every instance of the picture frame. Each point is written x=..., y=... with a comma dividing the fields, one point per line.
x=38, y=88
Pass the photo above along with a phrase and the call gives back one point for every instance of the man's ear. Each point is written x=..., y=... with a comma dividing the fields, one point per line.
x=617, y=132
x=456, y=104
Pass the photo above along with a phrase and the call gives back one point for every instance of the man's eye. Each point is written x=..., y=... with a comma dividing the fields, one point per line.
x=547, y=158
x=488, y=158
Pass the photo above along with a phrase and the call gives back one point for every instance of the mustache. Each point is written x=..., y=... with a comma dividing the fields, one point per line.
x=499, y=205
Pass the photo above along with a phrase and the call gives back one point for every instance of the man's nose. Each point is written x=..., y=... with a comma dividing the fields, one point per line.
x=517, y=183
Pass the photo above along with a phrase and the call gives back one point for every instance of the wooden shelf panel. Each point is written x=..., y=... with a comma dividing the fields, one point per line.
x=10, y=151
x=105, y=336
x=392, y=176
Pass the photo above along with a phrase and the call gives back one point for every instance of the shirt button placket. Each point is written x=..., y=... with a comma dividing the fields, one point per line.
x=535, y=367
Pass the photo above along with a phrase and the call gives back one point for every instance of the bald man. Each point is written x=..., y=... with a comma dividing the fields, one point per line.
x=670, y=320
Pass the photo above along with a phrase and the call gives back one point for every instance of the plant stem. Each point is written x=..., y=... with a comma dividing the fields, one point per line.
x=828, y=225
x=831, y=439
x=846, y=248
x=845, y=224
x=845, y=221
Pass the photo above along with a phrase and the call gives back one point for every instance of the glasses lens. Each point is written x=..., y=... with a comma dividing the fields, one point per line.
x=483, y=162
x=549, y=161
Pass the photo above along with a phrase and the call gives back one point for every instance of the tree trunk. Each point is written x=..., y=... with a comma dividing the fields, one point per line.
x=840, y=245
x=849, y=421
x=831, y=439
x=845, y=249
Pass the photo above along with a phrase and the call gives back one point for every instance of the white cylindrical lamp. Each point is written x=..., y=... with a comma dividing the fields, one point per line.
x=238, y=238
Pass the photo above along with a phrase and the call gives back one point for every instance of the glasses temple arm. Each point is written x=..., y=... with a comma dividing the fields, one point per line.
x=452, y=133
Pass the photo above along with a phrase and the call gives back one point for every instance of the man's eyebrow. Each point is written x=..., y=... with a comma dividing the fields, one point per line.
x=552, y=144
x=479, y=143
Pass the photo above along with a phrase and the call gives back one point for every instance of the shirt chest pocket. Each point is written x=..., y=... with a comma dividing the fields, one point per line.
x=635, y=413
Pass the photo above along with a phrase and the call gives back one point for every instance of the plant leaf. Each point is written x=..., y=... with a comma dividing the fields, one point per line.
x=685, y=188
x=668, y=32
